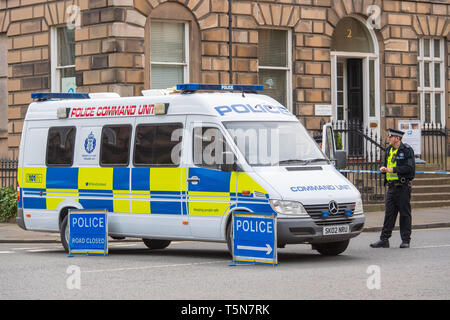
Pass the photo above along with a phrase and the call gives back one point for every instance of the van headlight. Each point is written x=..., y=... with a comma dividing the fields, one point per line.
x=292, y=208
x=358, y=207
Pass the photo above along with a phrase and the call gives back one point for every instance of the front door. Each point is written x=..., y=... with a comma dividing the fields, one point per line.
x=210, y=191
x=355, y=109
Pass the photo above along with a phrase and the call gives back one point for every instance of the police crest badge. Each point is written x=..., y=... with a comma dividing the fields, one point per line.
x=90, y=143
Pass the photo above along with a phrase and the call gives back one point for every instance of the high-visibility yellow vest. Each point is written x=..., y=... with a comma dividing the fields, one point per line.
x=392, y=164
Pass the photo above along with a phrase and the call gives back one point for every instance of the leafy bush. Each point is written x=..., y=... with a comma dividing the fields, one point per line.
x=8, y=204
x=338, y=140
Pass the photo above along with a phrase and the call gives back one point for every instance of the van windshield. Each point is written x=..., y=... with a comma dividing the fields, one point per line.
x=274, y=143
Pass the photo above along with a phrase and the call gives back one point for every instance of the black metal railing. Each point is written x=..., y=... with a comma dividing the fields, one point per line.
x=435, y=145
x=8, y=173
x=365, y=152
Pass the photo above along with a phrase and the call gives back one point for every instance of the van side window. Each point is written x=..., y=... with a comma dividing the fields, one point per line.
x=156, y=144
x=115, y=148
x=60, y=146
x=209, y=145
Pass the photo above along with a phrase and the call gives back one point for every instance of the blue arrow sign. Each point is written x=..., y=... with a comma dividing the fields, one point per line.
x=254, y=238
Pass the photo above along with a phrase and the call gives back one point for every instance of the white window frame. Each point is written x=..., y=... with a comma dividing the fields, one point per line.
x=287, y=69
x=4, y=78
x=185, y=64
x=343, y=91
x=55, y=73
x=432, y=90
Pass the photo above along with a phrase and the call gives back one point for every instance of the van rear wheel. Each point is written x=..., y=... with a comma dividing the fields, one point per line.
x=154, y=244
x=331, y=248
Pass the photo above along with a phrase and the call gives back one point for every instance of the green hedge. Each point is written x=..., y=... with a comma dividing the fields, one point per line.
x=8, y=204
x=338, y=140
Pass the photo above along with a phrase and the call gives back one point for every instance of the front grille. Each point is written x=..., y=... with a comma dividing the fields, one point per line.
x=331, y=221
x=315, y=211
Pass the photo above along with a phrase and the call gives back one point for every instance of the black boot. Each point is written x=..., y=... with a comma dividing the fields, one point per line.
x=380, y=244
x=404, y=245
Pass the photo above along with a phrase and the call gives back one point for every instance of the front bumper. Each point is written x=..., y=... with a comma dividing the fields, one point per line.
x=309, y=230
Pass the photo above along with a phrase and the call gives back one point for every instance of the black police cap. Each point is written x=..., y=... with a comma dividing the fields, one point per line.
x=318, y=139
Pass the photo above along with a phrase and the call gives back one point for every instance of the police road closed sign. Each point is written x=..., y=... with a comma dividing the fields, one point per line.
x=254, y=238
x=88, y=232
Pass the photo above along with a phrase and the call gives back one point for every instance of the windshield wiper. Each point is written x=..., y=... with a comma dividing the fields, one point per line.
x=315, y=160
x=290, y=161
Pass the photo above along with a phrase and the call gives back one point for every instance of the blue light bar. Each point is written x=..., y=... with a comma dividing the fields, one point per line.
x=58, y=95
x=219, y=87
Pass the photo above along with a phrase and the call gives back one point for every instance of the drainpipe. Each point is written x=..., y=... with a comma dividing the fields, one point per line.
x=230, y=41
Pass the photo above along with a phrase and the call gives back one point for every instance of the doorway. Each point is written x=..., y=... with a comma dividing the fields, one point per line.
x=355, y=113
x=355, y=82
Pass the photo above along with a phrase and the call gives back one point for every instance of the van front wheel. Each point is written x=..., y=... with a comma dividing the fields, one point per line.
x=154, y=244
x=331, y=248
x=64, y=233
x=229, y=239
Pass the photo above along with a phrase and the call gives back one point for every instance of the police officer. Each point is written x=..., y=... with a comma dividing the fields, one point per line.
x=399, y=168
x=318, y=140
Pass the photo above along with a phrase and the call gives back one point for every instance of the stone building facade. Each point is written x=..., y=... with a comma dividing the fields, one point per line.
x=376, y=61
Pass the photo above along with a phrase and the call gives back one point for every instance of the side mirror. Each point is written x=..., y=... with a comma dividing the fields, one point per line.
x=341, y=159
x=229, y=162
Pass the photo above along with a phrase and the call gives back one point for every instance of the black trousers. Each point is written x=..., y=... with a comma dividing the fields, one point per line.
x=398, y=200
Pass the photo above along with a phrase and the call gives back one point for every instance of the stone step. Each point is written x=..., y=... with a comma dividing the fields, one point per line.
x=430, y=196
x=429, y=167
x=414, y=205
x=431, y=176
x=428, y=190
x=420, y=181
x=374, y=207
x=431, y=181
x=431, y=189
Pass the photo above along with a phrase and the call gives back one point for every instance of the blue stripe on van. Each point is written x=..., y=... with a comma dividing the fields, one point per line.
x=165, y=207
x=140, y=179
x=166, y=194
x=259, y=208
x=95, y=193
x=121, y=179
x=242, y=197
x=34, y=203
x=62, y=178
x=19, y=203
x=210, y=180
x=95, y=204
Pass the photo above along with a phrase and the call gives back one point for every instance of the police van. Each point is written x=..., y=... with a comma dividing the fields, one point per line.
x=176, y=165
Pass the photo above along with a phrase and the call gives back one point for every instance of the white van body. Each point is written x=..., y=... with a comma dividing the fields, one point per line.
x=185, y=201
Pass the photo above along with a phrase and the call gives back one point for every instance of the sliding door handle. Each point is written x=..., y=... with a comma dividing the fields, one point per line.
x=193, y=180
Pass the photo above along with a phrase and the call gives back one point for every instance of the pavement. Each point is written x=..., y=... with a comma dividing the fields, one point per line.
x=421, y=219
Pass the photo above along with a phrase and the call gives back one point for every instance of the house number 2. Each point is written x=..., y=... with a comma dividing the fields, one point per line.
x=349, y=33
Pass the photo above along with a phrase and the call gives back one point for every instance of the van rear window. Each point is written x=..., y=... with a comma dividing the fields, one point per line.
x=156, y=144
x=60, y=146
x=115, y=148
